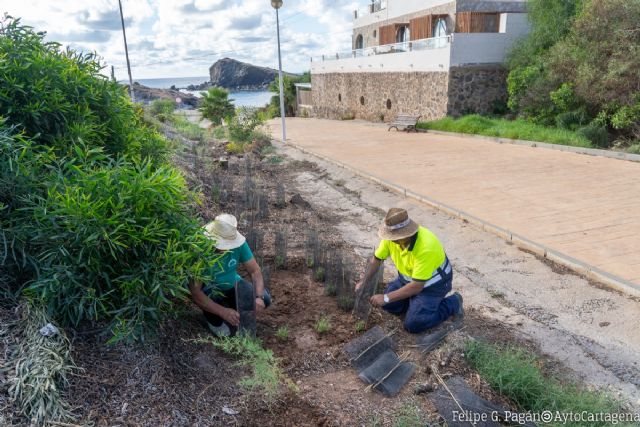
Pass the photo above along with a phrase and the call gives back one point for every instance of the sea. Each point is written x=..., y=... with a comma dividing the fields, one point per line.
x=243, y=98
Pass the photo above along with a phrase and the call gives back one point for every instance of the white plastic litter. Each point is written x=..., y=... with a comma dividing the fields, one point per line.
x=229, y=411
x=49, y=330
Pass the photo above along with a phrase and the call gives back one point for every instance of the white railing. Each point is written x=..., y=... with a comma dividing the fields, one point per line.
x=415, y=45
x=375, y=6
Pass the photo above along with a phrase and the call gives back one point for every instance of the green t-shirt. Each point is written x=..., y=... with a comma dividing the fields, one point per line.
x=420, y=261
x=224, y=273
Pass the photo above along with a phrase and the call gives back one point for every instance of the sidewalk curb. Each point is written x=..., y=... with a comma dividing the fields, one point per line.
x=619, y=155
x=589, y=271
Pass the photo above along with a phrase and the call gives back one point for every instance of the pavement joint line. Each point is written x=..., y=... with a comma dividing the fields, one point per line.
x=618, y=155
x=589, y=271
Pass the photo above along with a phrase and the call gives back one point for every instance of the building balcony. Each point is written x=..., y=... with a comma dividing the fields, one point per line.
x=434, y=54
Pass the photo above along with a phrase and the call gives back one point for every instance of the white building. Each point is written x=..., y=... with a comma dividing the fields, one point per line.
x=423, y=57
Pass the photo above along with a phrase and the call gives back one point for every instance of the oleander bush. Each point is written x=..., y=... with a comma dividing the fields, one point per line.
x=95, y=225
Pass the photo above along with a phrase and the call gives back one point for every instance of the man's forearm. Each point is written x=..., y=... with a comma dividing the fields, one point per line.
x=206, y=303
x=407, y=291
x=258, y=282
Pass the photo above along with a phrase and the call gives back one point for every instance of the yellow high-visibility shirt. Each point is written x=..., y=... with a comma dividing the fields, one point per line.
x=420, y=260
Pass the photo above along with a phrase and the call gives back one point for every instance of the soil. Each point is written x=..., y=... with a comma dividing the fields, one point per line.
x=174, y=381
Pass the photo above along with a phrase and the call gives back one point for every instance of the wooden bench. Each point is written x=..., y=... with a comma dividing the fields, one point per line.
x=406, y=122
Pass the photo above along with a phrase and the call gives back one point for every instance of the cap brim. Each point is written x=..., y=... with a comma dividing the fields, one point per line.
x=385, y=234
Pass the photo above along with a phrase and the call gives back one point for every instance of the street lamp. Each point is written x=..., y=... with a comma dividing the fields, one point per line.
x=126, y=53
x=277, y=4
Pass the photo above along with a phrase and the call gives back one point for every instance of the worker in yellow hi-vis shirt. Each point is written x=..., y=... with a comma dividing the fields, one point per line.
x=424, y=278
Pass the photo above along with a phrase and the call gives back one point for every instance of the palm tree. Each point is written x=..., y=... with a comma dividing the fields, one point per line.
x=216, y=105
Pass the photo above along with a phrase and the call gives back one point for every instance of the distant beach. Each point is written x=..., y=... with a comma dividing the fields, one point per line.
x=245, y=98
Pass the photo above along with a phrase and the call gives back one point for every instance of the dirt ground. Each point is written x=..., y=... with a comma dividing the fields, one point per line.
x=510, y=296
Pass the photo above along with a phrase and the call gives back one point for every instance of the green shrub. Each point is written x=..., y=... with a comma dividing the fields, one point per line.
x=241, y=127
x=595, y=133
x=59, y=97
x=163, y=109
x=215, y=105
x=572, y=120
x=97, y=225
x=188, y=129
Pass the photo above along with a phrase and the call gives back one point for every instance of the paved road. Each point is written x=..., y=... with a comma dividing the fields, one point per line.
x=583, y=206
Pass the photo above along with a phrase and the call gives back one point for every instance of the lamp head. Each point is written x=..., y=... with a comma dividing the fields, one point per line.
x=276, y=4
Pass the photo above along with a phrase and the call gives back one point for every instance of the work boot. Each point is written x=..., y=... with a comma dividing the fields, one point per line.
x=220, y=331
x=458, y=316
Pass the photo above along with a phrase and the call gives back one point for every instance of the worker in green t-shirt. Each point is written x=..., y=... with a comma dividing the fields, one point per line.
x=424, y=278
x=217, y=297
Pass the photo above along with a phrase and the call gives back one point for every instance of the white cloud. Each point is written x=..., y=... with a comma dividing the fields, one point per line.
x=172, y=38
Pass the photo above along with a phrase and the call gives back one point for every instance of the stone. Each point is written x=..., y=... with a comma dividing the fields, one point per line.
x=233, y=74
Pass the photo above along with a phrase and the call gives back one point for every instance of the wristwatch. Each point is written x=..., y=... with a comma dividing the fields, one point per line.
x=386, y=298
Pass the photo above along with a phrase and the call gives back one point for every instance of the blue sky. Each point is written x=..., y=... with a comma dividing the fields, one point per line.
x=182, y=38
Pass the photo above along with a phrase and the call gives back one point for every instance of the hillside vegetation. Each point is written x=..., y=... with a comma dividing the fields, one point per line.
x=96, y=224
x=579, y=69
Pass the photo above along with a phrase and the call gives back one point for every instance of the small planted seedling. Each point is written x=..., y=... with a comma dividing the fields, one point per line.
x=330, y=289
x=281, y=249
x=310, y=262
x=360, y=326
x=346, y=303
x=322, y=325
x=318, y=275
x=282, y=333
x=281, y=200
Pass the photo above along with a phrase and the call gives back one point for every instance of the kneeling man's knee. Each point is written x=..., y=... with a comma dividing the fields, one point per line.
x=415, y=325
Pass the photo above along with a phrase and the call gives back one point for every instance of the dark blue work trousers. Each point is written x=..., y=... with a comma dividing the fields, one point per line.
x=427, y=309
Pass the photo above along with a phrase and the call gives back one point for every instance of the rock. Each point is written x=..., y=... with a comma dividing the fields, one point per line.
x=232, y=74
x=297, y=200
x=148, y=94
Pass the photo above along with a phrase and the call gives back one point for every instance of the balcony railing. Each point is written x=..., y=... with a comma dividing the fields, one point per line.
x=415, y=45
x=375, y=6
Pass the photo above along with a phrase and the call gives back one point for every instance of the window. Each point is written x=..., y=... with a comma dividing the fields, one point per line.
x=362, y=100
x=388, y=104
x=375, y=34
x=403, y=34
x=339, y=97
x=359, y=42
x=440, y=27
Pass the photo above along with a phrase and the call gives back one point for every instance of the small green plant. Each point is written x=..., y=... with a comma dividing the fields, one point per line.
x=242, y=126
x=162, y=109
x=219, y=133
x=318, y=275
x=330, y=290
x=408, y=415
x=517, y=374
x=279, y=261
x=187, y=128
x=340, y=182
x=282, y=333
x=267, y=149
x=234, y=148
x=216, y=106
x=310, y=261
x=322, y=325
x=346, y=303
x=348, y=116
x=360, y=326
x=267, y=375
x=275, y=160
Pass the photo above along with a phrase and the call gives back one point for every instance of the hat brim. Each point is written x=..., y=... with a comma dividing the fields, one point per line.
x=226, y=244
x=385, y=234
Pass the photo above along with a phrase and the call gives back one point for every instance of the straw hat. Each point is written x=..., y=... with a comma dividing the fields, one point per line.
x=228, y=218
x=226, y=235
x=397, y=225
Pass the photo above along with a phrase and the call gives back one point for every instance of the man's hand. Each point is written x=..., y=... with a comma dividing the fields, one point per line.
x=231, y=316
x=377, y=300
x=259, y=305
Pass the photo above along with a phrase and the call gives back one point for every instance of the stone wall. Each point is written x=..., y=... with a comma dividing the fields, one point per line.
x=476, y=89
x=367, y=31
x=380, y=96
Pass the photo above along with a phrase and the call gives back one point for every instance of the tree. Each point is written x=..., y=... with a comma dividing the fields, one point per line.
x=216, y=105
x=289, y=88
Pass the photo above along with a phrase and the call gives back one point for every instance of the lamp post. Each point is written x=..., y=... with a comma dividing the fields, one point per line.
x=277, y=4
